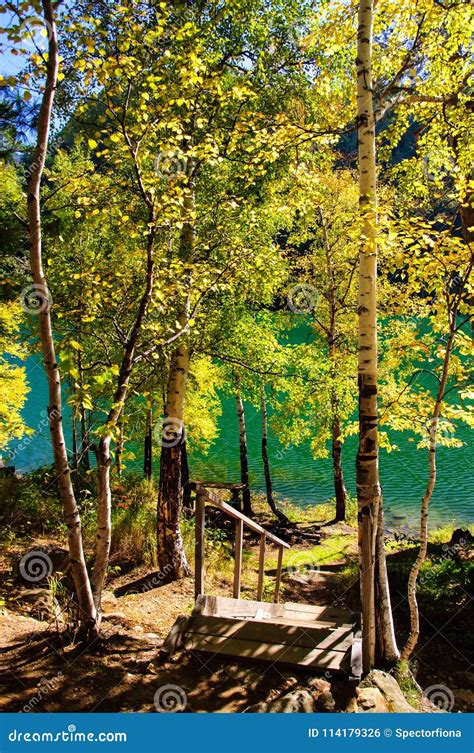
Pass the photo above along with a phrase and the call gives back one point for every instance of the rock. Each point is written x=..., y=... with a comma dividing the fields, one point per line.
x=321, y=691
x=257, y=708
x=379, y=692
x=390, y=690
x=325, y=703
x=368, y=701
x=298, y=701
x=37, y=565
x=116, y=618
x=318, y=685
x=461, y=537
x=40, y=604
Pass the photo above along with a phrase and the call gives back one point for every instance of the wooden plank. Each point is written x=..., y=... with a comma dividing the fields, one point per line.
x=276, y=595
x=246, y=608
x=199, y=546
x=324, y=637
x=318, y=611
x=299, y=656
x=239, y=536
x=261, y=567
x=307, y=613
x=175, y=637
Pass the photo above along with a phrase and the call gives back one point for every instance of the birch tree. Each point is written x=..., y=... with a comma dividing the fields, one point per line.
x=375, y=595
x=38, y=295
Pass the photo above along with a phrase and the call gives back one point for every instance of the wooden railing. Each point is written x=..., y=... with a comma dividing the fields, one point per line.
x=203, y=496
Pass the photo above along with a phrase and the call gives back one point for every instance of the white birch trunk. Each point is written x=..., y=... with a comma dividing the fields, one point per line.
x=87, y=611
x=367, y=477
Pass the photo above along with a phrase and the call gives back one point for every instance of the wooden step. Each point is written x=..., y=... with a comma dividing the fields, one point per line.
x=300, y=656
x=337, y=639
x=297, y=635
x=289, y=612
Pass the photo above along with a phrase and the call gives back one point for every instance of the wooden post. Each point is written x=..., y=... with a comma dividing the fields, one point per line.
x=239, y=534
x=261, y=568
x=199, y=544
x=278, y=575
x=367, y=589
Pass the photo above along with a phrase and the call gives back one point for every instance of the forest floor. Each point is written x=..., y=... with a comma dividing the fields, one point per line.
x=42, y=671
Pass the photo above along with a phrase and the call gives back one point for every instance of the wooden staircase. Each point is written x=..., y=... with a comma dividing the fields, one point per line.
x=320, y=638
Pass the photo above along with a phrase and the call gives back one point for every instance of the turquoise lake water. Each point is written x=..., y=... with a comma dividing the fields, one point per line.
x=296, y=476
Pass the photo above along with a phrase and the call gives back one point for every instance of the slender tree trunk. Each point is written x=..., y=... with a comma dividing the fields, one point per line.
x=104, y=528
x=87, y=611
x=84, y=460
x=367, y=473
x=433, y=434
x=148, y=446
x=266, y=464
x=104, y=460
x=244, y=464
x=83, y=454
x=119, y=449
x=75, y=454
x=187, y=497
x=339, y=487
x=170, y=550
